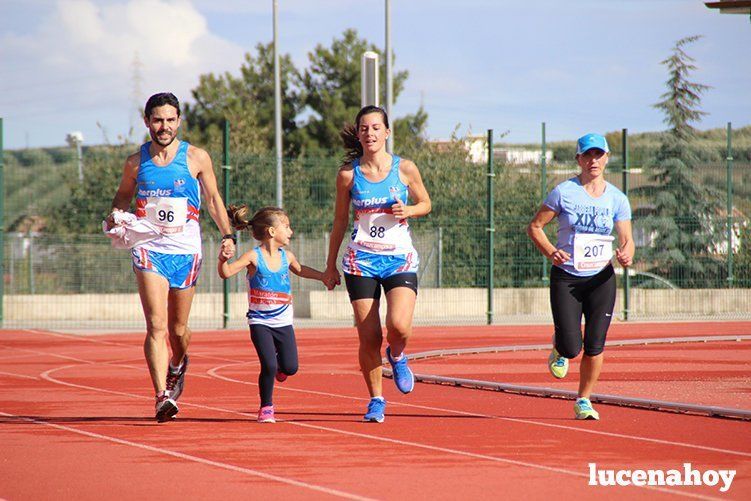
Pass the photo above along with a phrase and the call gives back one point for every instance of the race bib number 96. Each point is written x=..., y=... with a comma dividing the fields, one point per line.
x=169, y=214
x=591, y=251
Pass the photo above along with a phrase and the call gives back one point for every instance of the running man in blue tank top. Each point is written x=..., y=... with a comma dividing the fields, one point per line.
x=377, y=187
x=269, y=296
x=167, y=177
x=582, y=280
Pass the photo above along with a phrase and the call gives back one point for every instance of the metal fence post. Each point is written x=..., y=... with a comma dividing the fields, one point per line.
x=626, y=271
x=729, y=159
x=32, y=285
x=439, y=278
x=491, y=226
x=2, y=226
x=225, y=170
x=543, y=193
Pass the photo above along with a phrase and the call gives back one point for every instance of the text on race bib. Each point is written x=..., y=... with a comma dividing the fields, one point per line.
x=377, y=231
x=169, y=214
x=592, y=251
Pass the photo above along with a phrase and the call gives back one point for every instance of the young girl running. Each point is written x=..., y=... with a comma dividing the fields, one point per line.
x=269, y=295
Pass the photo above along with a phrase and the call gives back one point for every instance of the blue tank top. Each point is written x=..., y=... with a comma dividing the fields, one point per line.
x=156, y=185
x=375, y=229
x=270, y=293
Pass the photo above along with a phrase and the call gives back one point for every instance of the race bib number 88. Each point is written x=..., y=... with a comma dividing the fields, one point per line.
x=377, y=231
x=591, y=251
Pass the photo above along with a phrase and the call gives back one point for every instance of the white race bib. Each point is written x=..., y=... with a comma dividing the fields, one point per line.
x=169, y=214
x=592, y=251
x=377, y=231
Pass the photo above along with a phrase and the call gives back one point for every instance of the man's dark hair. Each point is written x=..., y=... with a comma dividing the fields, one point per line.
x=160, y=100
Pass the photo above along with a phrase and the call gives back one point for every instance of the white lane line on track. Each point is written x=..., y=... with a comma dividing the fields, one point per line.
x=14, y=357
x=79, y=338
x=46, y=376
x=2, y=373
x=195, y=459
x=114, y=343
x=213, y=373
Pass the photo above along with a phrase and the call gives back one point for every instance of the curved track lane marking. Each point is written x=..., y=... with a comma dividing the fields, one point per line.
x=46, y=376
x=23, y=376
x=195, y=459
x=213, y=373
x=491, y=416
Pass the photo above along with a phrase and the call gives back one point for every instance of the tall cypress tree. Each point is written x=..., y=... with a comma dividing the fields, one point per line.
x=683, y=223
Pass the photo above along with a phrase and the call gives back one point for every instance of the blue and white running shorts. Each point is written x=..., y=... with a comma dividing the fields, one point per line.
x=180, y=270
x=368, y=264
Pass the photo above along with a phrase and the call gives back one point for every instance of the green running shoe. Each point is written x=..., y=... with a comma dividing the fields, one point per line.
x=557, y=364
x=584, y=410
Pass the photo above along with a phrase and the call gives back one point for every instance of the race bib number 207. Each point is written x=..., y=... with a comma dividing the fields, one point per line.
x=591, y=251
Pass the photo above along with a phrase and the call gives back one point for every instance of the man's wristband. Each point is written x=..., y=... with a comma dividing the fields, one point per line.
x=230, y=236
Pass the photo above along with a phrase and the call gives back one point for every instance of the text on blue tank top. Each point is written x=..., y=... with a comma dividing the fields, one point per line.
x=169, y=181
x=269, y=292
x=372, y=203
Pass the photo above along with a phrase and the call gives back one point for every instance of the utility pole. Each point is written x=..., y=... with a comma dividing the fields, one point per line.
x=277, y=109
x=389, y=79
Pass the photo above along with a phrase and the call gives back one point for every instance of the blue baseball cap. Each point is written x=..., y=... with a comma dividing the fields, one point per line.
x=589, y=141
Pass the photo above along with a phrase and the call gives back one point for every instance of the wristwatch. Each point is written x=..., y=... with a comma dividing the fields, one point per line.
x=230, y=236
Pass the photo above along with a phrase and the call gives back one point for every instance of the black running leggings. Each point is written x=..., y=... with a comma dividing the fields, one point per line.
x=277, y=350
x=572, y=296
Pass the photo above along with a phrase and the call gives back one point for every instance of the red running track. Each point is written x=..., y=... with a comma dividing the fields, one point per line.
x=76, y=420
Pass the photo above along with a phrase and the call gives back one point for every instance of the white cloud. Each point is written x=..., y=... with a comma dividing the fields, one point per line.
x=84, y=50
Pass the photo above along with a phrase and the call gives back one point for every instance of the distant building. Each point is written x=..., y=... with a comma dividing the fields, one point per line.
x=477, y=152
x=521, y=156
x=475, y=146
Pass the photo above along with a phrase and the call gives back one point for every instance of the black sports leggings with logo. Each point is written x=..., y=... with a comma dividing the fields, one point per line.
x=570, y=298
x=277, y=350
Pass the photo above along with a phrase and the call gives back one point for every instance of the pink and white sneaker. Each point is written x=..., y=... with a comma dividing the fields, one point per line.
x=266, y=414
x=166, y=407
x=280, y=376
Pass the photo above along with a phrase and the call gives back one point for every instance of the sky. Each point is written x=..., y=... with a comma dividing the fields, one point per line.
x=578, y=65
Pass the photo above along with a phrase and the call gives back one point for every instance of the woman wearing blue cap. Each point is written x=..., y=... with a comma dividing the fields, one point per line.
x=582, y=280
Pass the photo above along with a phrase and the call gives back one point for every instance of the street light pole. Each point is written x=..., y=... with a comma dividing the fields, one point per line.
x=389, y=79
x=75, y=139
x=277, y=109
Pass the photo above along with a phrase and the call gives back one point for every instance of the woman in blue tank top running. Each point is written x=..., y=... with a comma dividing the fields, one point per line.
x=377, y=186
x=269, y=295
x=582, y=279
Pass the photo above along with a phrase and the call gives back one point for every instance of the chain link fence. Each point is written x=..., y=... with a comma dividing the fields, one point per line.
x=59, y=272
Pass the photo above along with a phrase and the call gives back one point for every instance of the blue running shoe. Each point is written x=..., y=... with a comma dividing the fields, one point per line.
x=376, y=408
x=403, y=377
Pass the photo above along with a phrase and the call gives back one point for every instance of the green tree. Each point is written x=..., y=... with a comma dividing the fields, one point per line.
x=410, y=132
x=247, y=101
x=332, y=88
x=681, y=225
x=315, y=104
x=89, y=202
